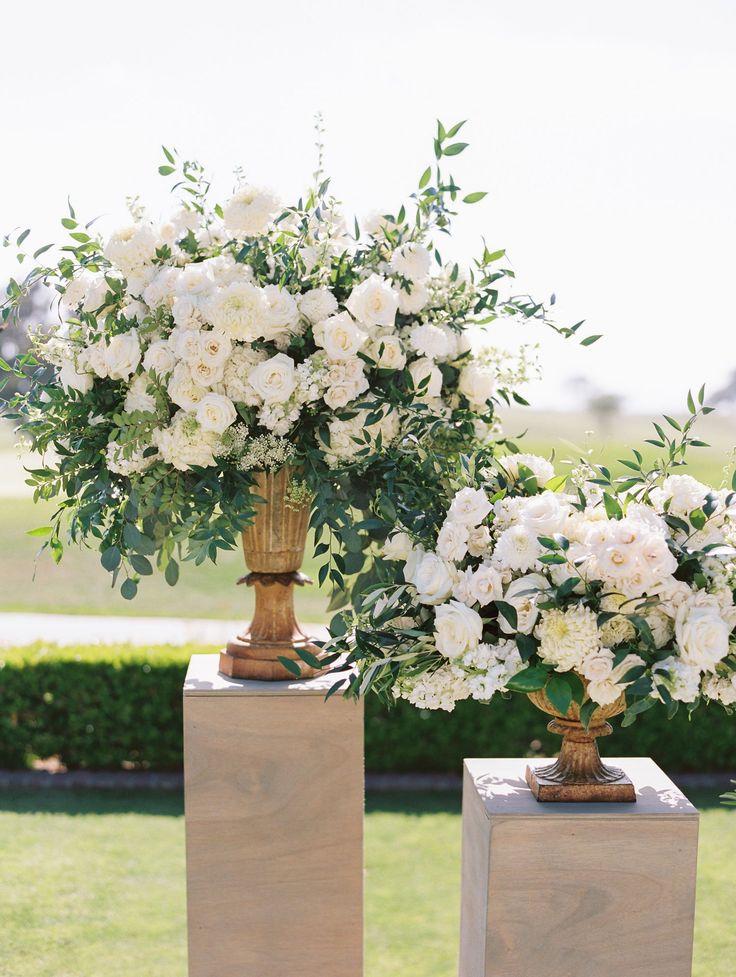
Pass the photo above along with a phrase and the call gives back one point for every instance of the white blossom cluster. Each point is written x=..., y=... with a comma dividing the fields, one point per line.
x=194, y=336
x=620, y=576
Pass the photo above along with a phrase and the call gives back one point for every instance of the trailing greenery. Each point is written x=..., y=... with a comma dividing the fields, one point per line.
x=101, y=707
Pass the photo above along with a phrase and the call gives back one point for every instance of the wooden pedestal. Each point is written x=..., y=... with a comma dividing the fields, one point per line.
x=274, y=827
x=575, y=889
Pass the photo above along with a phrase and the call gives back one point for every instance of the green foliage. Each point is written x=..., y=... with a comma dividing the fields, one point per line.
x=101, y=707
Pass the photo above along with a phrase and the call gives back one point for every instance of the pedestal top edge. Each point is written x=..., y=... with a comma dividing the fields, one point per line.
x=503, y=791
x=203, y=678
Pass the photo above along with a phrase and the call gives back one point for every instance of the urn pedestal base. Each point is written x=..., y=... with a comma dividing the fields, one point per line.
x=576, y=890
x=273, y=780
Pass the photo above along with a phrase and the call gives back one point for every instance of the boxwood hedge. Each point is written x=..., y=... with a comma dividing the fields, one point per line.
x=98, y=707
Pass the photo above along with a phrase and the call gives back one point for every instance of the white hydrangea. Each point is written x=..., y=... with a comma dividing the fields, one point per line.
x=183, y=444
x=681, y=679
x=238, y=367
x=138, y=397
x=439, y=689
x=129, y=459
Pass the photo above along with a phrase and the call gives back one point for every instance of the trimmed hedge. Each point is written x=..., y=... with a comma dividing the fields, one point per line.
x=101, y=708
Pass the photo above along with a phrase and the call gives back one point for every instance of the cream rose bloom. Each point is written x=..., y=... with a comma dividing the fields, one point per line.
x=486, y=585
x=433, y=578
x=469, y=506
x=339, y=336
x=701, y=634
x=452, y=542
x=215, y=412
x=373, y=302
x=274, y=380
x=523, y=595
x=214, y=348
x=182, y=388
x=539, y=467
x=122, y=355
x=159, y=358
x=458, y=629
x=397, y=547
x=477, y=384
x=425, y=370
x=388, y=353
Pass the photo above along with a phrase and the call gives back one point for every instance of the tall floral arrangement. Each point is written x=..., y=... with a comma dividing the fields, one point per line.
x=246, y=335
x=582, y=586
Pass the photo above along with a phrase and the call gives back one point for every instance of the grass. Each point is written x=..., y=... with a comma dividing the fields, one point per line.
x=79, y=585
x=89, y=877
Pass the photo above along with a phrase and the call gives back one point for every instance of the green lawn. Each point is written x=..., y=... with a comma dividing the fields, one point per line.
x=90, y=877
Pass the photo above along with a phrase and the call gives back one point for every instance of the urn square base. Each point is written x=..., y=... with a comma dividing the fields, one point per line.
x=274, y=804
x=575, y=889
x=547, y=790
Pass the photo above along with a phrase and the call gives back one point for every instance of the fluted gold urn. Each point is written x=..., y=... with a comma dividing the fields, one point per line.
x=273, y=546
x=579, y=774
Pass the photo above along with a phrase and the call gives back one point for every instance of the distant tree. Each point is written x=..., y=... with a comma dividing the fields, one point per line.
x=603, y=406
x=14, y=338
x=727, y=394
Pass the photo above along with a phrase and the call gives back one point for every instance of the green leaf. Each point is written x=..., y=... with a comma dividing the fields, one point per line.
x=530, y=680
x=171, y=573
x=141, y=565
x=473, y=198
x=559, y=693
x=129, y=588
x=612, y=506
x=166, y=170
x=454, y=149
x=110, y=558
x=425, y=178
x=589, y=340
x=508, y=611
x=40, y=531
x=527, y=646
x=68, y=223
x=586, y=712
x=290, y=666
x=309, y=658
x=167, y=154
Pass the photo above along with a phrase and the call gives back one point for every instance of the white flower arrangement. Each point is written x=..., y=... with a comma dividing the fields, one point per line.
x=257, y=316
x=614, y=589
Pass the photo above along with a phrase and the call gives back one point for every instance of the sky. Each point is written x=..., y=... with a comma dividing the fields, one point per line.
x=604, y=134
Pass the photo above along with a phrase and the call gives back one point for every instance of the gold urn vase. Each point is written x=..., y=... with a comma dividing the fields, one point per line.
x=579, y=774
x=274, y=549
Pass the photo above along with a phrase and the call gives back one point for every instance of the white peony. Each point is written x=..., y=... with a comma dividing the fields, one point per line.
x=411, y=261
x=452, y=541
x=274, y=380
x=477, y=384
x=122, y=355
x=680, y=494
x=427, y=379
x=317, y=304
x=458, y=629
x=523, y=594
x=215, y=412
x=373, y=302
x=339, y=336
x=249, y=211
x=469, y=506
x=433, y=579
x=240, y=311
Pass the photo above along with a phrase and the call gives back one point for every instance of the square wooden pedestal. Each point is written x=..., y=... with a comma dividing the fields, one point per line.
x=274, y=827
x=576, y=890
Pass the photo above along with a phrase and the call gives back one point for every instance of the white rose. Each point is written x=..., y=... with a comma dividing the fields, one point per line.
x=479, y=540
x=71, y=379
x=452, y=542
x=469, y=506
x=160, y=291
x=193, y=280
x=701, y=635
x=539, y=467
x=427, y=379
x=430, y=340
x=373, y=302
x=274, y=380
x=458, y=629
x=523, y=594
x=339, y=394
x=214, y=348
x=215, y=412
x=240, y=311
x=598, y=666
x=544, y=514
x=183, y=390
x=388, y=353
x=433, y=579
x=411, y=261
x=138, y=397
x=397, y=547
x=412, y=303
x=283, y=311
x=96, y=292
x=486, y=585
x=205, y=374
x=415, y=557
x=186, y=344
x=477, y=384
x=250, y=211
x=317, y=304
x=187, y=313
x=339, y=336
x=123, y=354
